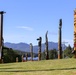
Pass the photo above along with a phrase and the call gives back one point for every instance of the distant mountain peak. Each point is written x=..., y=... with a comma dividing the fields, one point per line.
x=26, y=47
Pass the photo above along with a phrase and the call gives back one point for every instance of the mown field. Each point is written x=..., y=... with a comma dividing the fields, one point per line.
x=44, y=67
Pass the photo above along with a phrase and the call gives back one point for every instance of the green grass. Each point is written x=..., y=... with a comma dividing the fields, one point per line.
x=44, y=67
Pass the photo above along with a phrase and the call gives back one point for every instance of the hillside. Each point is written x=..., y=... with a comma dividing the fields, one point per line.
x=26, y=47
x=44, y=67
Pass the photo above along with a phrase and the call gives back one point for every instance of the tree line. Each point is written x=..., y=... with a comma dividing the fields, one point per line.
x=53, y=54
x=9, y=55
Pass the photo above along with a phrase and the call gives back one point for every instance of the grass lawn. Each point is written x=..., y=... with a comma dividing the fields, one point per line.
x=44, y=67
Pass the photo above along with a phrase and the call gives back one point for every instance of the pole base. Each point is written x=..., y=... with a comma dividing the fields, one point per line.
x=47, y=58
x=1, y=60
x=39, y=56
x=74, y=52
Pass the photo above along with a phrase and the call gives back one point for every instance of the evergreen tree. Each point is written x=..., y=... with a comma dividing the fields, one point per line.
x=68, y=52
x=53, y=54
x=43, y=56
x=10, y=55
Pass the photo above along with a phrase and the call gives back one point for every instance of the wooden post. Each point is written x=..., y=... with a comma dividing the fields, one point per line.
x=1, y=36
x=39, y=46
x=22, y=58
x=31, y=51
x=74, y=34
x=16, y=59
x=26, y=56
x=60, y=40
x=46, y=44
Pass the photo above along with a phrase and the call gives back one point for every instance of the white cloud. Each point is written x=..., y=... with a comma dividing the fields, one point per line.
x=25, y=27
x=52, y=33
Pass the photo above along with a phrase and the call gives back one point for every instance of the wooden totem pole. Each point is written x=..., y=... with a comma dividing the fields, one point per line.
x=74, y=52
x=39, y=46
x=31, y=51
x=60, y=40
x=1, y=36
x=46, y=44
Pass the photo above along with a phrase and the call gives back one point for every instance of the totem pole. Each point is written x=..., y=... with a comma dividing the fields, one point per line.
x=31, y=49
x=59, y=42
x=1, y=36
x=22, y=58
x=26, y=56
x=46, y=48
x=16, y=59
x=74, y=52
x=39, y=50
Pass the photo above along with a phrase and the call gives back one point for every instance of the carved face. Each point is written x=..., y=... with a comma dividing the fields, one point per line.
x=60, y=23
x=75, y=12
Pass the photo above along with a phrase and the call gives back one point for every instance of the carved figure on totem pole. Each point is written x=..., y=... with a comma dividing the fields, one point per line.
x=1, y=36
x=60, y=40
x=46, y=46
x=39, y=46
x=31, y=50
x=74, y=51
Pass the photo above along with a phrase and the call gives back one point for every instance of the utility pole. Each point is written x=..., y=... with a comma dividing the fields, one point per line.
x=46, y=44
x=59, y=41
x=39, y=46
x=1, y=36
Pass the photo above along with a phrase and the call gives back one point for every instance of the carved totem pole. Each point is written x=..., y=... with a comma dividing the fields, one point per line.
x=74, y=33
x=46, y=48
x=31, y=50
x=59, y=42
x=39, y=50
x=26, y=56
x=22, y=58
x=1, y=36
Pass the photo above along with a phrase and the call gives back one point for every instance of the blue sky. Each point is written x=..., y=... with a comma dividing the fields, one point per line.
x=26, y=20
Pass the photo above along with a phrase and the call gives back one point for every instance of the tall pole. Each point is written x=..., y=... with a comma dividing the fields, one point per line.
x=1, y=36
x=39, y=46
x=60, y=39
x=31, y=50
x=46, y=44
x=74, y=34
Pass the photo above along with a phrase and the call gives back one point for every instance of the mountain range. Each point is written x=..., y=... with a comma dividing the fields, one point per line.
x=26, y=47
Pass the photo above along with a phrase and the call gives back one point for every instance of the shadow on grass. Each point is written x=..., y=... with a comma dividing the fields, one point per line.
x=12, y=70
